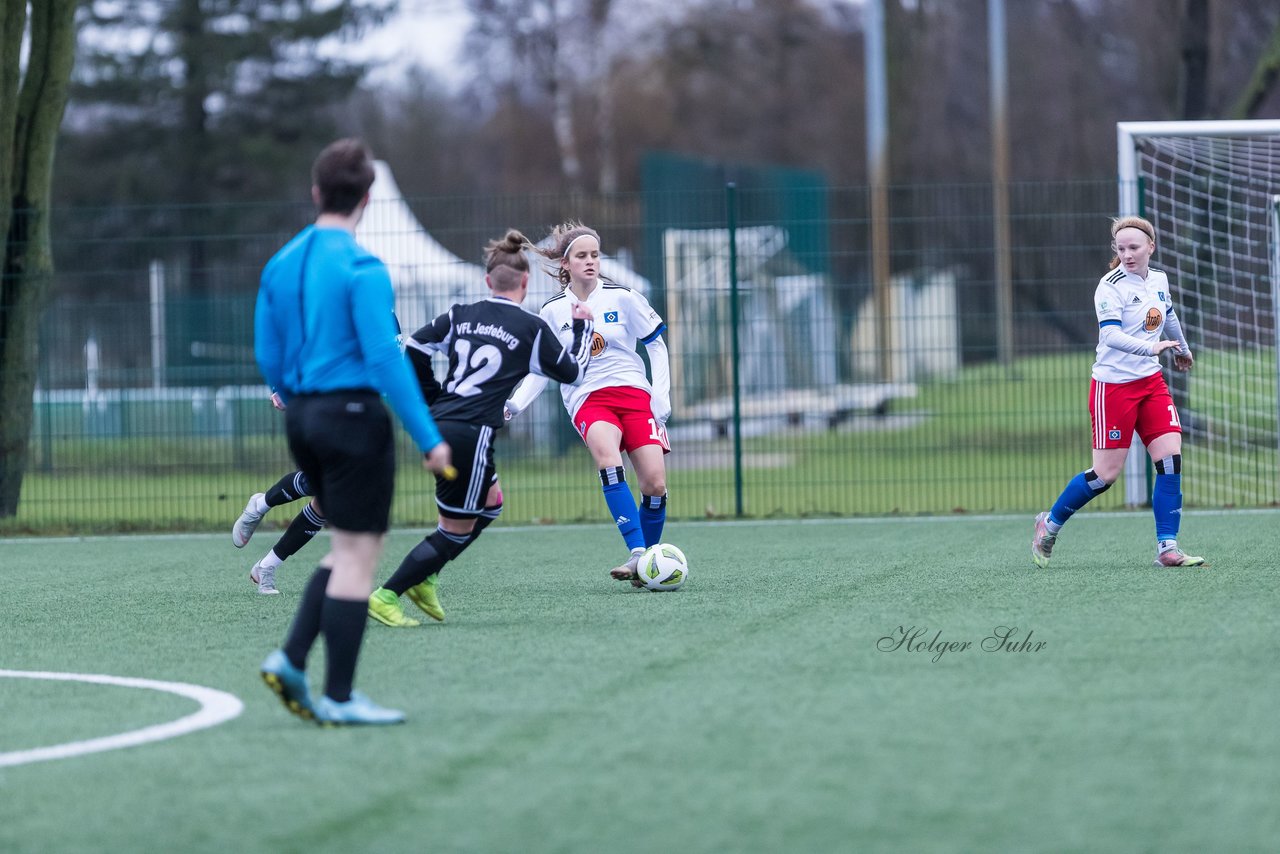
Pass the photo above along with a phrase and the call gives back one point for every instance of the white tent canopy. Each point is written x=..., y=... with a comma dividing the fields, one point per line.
x=427, y=277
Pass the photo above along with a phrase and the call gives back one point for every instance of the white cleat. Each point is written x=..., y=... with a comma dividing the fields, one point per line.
x=265, y=579
x=1177, y=557
x=1042, y=542
x=629, y=571
x=242, y=530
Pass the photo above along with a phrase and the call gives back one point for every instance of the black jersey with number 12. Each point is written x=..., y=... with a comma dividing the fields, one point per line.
x=491, y=345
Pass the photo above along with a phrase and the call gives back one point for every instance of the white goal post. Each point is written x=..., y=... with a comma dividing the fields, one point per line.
x=1211, y=189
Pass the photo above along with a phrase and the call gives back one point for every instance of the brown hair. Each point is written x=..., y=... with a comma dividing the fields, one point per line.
x=559, y=239
x=1143, y=225
x=343, y=174
x=504, y=261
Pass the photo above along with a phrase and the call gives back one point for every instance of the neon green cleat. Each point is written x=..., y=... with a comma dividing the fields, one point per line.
x=424, y=596
x=384, y=606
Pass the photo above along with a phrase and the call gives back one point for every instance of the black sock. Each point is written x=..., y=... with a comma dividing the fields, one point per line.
x=306, y=620
x=488, y=517
x=291, y=487
x=425, y=560
x=343, y=623
x=300, y=532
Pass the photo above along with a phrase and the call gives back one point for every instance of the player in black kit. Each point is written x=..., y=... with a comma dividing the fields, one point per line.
x=492, y=345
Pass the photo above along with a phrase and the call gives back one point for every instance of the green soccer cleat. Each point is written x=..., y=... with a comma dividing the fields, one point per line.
x=384, y=606
x=424, y=596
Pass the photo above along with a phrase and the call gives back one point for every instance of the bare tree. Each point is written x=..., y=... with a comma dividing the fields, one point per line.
x=1263, y=82
x=31, y=108
x=1195, y=59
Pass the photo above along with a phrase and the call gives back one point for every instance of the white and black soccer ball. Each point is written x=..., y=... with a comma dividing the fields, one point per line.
x=663, y=567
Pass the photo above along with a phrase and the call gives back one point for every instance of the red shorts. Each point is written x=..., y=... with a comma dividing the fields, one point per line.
x=1118, y=409
x=629, y=410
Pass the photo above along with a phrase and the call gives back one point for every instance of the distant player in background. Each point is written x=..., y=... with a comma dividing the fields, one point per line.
x=1128, y=393
x=325, y=339
x=301, y=530
x=491, y=345
x=309, y=522
x=615, y=408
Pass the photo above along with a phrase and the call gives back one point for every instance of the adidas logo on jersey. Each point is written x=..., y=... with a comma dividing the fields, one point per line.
x=1136, y=299
x=565, y=327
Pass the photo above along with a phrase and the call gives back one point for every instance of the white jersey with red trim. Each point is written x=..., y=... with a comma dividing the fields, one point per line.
x=622, y=318
x=1139, y=306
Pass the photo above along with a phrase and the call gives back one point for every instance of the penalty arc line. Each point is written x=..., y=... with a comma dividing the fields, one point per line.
x=215, y=707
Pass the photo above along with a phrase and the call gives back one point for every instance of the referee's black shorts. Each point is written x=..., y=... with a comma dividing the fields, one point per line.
x=342, y=441
x=471, y=446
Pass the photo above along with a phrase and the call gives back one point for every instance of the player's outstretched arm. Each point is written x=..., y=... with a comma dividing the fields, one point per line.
x=660, y=368
x=374, y=318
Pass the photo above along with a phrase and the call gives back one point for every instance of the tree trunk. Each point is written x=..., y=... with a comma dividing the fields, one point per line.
x=1262, y=81
x=1195, y=59
x=562, y=108
x=30, y=132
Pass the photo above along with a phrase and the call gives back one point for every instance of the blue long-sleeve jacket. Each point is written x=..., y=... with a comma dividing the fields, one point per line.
x=325, y=321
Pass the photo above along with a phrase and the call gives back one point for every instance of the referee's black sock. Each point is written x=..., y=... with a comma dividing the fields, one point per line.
x=426, y=559
x=343, y=623
x=306, y=622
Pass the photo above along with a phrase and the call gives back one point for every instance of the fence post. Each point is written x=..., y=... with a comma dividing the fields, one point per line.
x=731, y=205
x=43, y=347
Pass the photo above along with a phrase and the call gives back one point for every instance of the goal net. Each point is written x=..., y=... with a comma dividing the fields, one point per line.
x=1210, y=190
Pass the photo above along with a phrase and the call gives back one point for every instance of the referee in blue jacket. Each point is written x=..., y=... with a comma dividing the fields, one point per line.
x=325, y=339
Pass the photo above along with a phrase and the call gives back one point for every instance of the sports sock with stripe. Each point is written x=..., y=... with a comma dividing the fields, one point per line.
x=653, y=516
x=622, y=505
x=427, y=558
x=1166, y=497
x=300, y=532
x=1082, y=489
x=291, y=487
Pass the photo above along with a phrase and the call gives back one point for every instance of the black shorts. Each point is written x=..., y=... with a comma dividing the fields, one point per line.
x=472, y=450
x=342, y=442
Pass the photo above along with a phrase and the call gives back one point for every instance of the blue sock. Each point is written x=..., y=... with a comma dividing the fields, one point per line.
x=1166, y=497
x=653, y=515
x=1082, y=489
x=622, y=506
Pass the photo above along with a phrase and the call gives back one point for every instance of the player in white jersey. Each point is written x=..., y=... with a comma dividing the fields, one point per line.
x=616, y=407
x=1128, y=393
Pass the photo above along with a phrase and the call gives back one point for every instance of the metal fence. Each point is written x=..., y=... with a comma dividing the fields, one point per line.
x=150, y=413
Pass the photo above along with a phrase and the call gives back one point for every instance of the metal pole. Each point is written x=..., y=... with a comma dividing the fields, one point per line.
x=1137, y=490
x=1275, y=314
x=157, y=324
x=731, y=205
x=878, y=177
x=1000, y=180
x=43, y=347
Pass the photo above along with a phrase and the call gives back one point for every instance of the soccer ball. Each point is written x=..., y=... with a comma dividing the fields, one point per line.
x=663, y=567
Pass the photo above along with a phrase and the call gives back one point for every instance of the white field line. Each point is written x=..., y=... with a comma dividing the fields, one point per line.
x=215, y=707
x=950, y=518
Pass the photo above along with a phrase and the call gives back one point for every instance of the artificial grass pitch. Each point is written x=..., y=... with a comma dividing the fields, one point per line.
x=809, y=689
